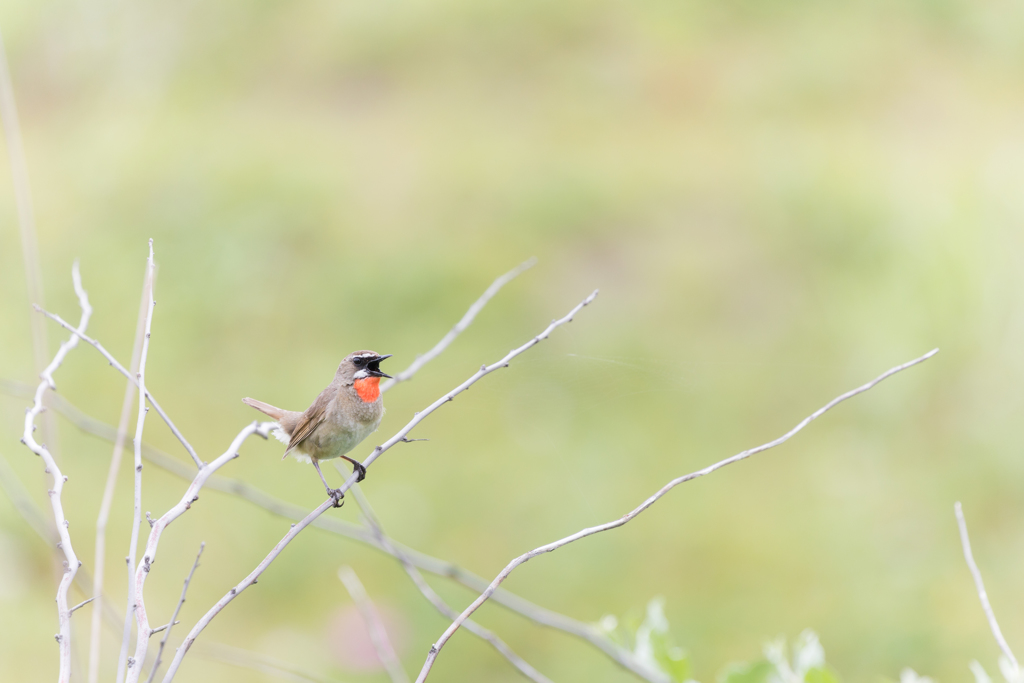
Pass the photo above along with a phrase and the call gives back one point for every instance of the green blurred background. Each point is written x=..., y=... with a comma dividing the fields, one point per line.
x=778, y=200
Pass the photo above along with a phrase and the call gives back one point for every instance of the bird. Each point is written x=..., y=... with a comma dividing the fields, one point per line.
x=345, y=413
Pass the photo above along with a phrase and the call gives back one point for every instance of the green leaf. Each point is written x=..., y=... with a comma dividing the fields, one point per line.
x=821, y=675
x=758, y=672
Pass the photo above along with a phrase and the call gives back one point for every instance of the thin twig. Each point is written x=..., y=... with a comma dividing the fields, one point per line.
x=465, y=322
x=436, y=648
x=980, y=585
x=374, y=625
x=434, y=599
x=377, y=452
x=102, y=518
x=131, y=378
x=165, y=627
x=71, y=562
x=210, y=650
x=434, y=565
x=172, y=622
x=81, y=604
x=125, y=668
x=159, y=525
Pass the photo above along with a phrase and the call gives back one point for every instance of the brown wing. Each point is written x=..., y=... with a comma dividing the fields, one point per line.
x=310, y=419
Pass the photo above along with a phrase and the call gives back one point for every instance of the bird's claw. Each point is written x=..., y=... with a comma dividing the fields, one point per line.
x=357, y=468
x=338, y=495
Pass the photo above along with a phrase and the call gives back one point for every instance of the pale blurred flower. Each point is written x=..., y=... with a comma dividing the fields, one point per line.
x=908, y=675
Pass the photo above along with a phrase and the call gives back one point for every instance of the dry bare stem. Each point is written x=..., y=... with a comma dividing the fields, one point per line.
x=131, y=378
x=95, y=633
x=213, y=651
x=172, y=622
x=124, y=661
x=71, y=562
x=965, y=541
x=436, y=648
x=539, y=615
x=159, y=525
x=377, y=452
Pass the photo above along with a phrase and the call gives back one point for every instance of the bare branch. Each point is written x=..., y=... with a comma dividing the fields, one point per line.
x=208, y=650
x=96, y=631
x=433, y=598
x=965, y=541
x=71, y=562
x=377, y=452
x=374, y=626
x=172, y=622
x=81, y=604
x=165, y=627
x=251, y=494
x=460, y=326
x=436, y=648
x=158, y=526
x=134, y=596
x=131, y=378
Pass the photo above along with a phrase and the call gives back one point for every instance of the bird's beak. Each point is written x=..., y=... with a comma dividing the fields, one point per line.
x=375, y=368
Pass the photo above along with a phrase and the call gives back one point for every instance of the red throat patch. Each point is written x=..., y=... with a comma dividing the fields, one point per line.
x=368, y=389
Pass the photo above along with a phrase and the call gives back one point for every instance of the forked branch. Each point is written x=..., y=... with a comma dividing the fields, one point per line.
x=131, y=378
x=377, y=452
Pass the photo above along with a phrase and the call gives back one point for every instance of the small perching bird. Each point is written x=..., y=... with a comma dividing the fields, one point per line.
x=345, y=413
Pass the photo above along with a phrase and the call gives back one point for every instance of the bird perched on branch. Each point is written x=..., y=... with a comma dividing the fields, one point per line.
x=344, y=414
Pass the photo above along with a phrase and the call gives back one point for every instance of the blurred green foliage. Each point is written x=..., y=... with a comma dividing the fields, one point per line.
x=778, y=200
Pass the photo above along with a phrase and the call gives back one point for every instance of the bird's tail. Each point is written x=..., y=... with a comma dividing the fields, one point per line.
x=270, y=410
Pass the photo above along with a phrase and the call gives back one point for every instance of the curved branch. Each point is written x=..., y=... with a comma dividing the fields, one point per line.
x=997, y=633
x=71, y=562
x=377, y=452
x=149, y=557
x=539, y=615
x=436, y=648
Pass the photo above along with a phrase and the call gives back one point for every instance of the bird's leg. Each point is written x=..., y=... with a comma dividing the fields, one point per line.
x=357, y=467
x=336, y=494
